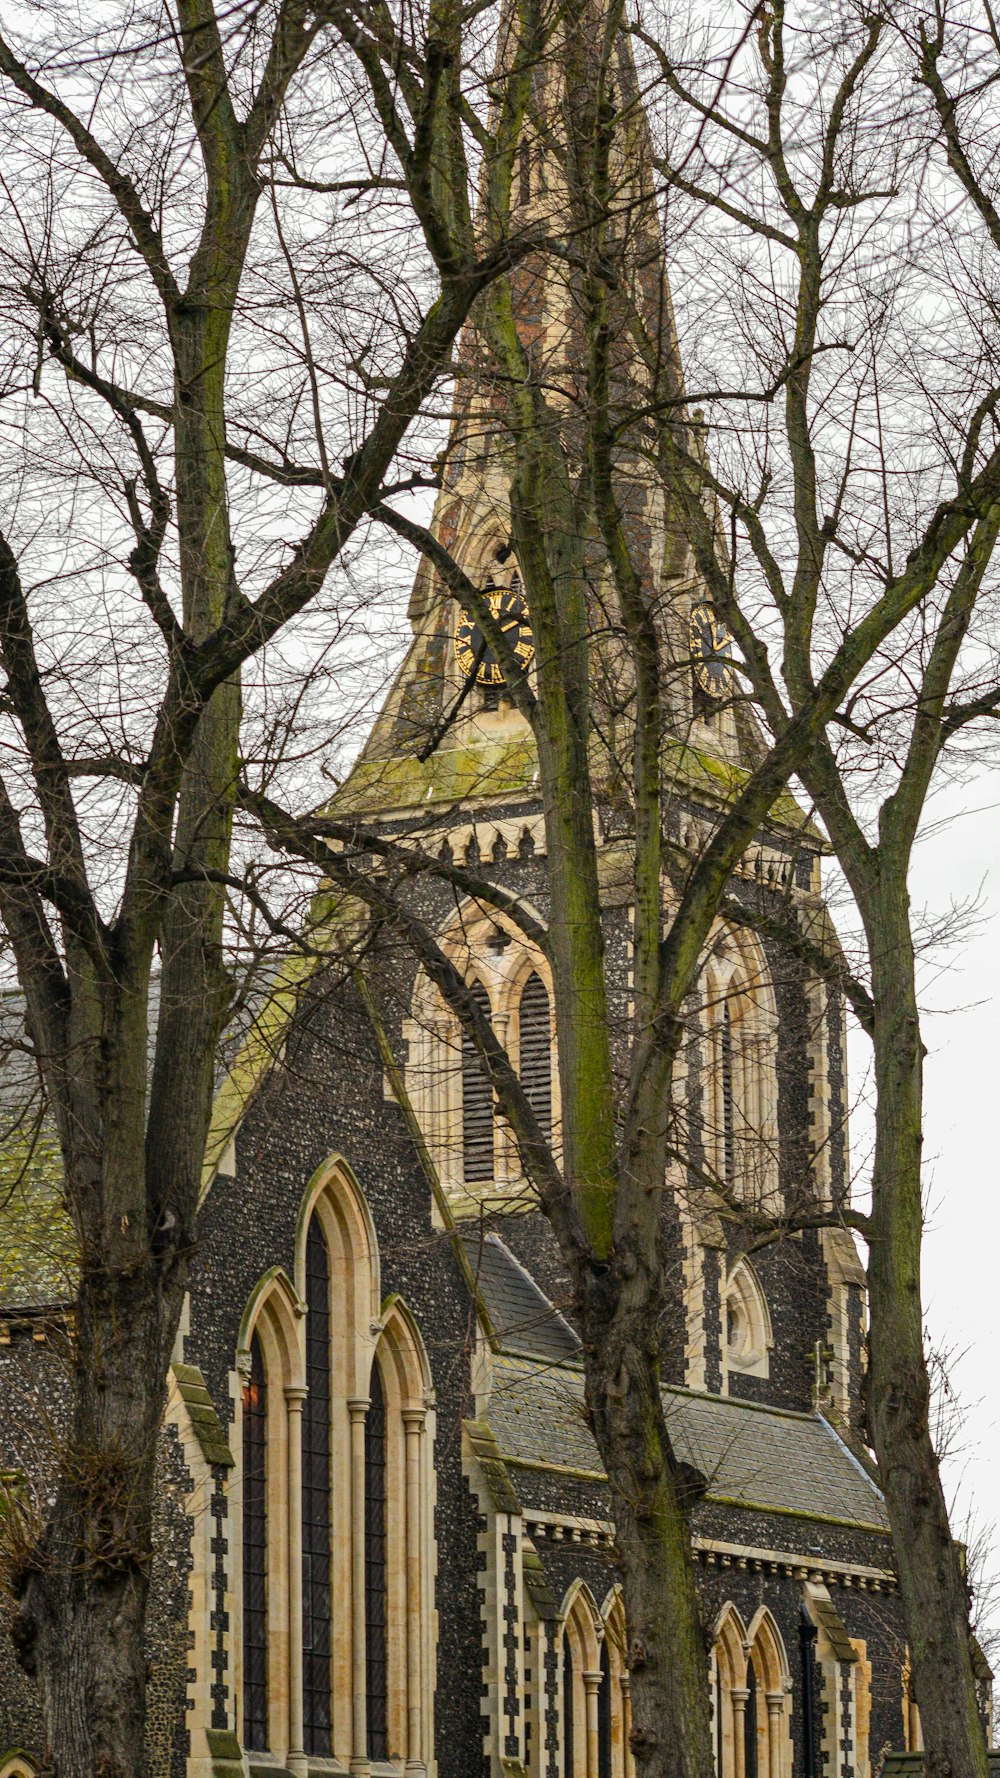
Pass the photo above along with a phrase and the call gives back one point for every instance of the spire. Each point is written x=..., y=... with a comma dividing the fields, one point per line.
x=440, y=737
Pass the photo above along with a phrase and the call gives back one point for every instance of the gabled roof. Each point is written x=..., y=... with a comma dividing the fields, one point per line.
x=769, y=1459
x=522, y=1317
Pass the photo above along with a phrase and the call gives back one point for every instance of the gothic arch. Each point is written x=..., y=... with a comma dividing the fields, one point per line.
x=615, y=1704
x=17, y=1764
x=270, y=1367
x=729, y=1644
x=750, y=1697
x=748, y=1337
x=465, y=940
x=581, y=1615
x=335, y=1197
x=773, y=1690
x=403, y=1354
x=488, y=949
x=580, y=1660
x=740, y=1092
x=768, y=1649
x=302, y=1428
x=728, y=1675
x=274, y=1311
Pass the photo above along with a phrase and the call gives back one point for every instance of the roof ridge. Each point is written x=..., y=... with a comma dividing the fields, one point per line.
x=734, y=1401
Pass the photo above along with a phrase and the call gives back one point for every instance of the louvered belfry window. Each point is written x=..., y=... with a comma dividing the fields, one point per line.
x=316, y=1499
x=477, y=1103
x=255, y=1552
x=377, y=1675
x=536, y=1051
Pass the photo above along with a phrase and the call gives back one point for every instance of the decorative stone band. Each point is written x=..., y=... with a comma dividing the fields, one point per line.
x=554, y=1528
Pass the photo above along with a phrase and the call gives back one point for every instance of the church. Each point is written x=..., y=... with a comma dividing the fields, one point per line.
x=385, y=1541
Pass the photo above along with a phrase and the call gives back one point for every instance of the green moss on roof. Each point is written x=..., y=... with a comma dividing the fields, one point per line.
x=488, y=768
x=496, y=769
x=38, y=1247
x=691, y=770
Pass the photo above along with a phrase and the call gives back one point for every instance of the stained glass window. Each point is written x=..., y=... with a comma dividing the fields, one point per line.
x=568, y=1723
x=377, y=1686
x=316, y=1500
x=255, y=1552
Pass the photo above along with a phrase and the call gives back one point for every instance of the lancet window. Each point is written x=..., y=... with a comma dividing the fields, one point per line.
x=477, y=1102
x=376, y=1573
x=750, y=1695
x=472, y=1145
x=334, y=1505
x=748, y=1337
x=739, y=1088
x=534, y=1035
x=595, y=1695
x=317, y=1609
x=255, y=1640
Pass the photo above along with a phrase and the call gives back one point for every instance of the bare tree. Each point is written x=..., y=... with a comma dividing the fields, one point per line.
x=853, y=537
x=820, y=492
x=182, y=313
x=597, y=434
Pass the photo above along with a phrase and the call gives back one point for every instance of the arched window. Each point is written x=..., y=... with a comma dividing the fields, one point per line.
x=594, y=1736
x=750, y=1724
x=535, y=1050
x=255, y=1532
x=473, y=1149
x=477, y=1104
x=568, y=1706
x=751, y=1687
x=740, y=1090
x=376, y=1652
x=748, y=1337
x=594, y=1692
x=316, y=1501
x=336, y=1495
x=604, y=1707
x=728, y=1113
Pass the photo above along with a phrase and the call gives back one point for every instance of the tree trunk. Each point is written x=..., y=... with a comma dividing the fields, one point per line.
x=931, y=1581
x=667, y=1648
x=80, y=1623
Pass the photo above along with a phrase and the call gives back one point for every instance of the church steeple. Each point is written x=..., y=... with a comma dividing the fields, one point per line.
x=448, y=731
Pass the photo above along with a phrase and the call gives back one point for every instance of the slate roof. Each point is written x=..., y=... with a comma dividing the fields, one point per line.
x=523, y=1318
x=753, y=1456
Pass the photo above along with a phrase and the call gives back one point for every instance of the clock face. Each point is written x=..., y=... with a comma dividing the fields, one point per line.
x=472, y=651
x=711, y=651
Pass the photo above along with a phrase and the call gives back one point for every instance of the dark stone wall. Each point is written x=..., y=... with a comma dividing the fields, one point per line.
x=34, y=1389
x=168, y=1636
x=33, y=1394
x=326, y=1097
x=873, y=1618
